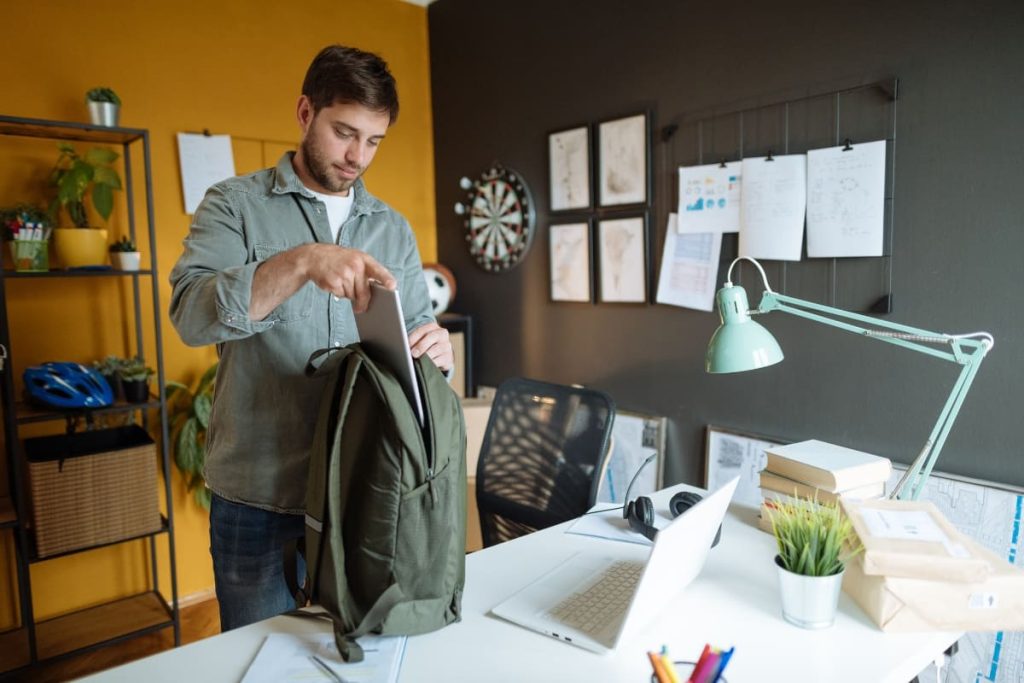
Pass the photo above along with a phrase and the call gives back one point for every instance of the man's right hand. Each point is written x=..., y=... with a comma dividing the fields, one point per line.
x=345, y=273
x=341, y=271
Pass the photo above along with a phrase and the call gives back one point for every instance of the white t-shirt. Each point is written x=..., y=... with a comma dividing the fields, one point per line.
x=338, y=209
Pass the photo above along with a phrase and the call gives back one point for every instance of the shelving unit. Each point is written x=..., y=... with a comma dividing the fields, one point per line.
x=34, y=642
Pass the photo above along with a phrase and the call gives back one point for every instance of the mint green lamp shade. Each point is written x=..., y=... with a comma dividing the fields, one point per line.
x=739, y=343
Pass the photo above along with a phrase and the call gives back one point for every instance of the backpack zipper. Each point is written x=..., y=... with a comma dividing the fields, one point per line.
x=430, y=444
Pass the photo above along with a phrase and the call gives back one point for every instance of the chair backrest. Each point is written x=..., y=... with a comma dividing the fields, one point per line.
x=542, y=456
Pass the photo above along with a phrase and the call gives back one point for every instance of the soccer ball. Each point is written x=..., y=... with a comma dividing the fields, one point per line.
x=440, y=286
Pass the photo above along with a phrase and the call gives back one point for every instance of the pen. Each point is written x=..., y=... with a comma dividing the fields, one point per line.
x=331, y=673
x=670, y=668
x=721, y=664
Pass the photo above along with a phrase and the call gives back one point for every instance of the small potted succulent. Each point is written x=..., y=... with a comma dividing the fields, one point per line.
x=124, y=255
x=815, y=541
x=110, y=368
x=135, y=376
x=104, y=106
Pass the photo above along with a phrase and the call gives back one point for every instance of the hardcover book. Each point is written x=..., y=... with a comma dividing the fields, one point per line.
x=827, y=466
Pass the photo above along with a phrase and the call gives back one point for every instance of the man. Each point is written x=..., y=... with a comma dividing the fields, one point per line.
x=273, y=268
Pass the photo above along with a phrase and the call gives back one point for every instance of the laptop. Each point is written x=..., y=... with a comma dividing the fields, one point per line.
x=591, y=600
x=382, y=335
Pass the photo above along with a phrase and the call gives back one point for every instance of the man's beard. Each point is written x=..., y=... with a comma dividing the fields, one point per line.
x=320, y=168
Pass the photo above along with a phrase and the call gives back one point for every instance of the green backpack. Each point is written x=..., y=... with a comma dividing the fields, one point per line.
x=386, y=502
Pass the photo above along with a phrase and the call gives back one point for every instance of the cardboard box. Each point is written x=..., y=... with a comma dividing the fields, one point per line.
x=894, y=603
x=912, y=539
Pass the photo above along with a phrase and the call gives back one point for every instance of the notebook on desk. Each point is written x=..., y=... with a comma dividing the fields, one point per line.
x=591, y=600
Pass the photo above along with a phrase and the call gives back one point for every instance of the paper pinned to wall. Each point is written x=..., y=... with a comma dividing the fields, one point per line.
x=205, y=160
x=846, y=200
x=772, y=207
x=709, y=198
x=689, y=268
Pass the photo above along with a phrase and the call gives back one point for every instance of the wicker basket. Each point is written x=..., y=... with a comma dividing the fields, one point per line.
x=92, y=488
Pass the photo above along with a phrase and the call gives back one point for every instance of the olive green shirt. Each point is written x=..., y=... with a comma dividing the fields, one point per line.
x=265, y=408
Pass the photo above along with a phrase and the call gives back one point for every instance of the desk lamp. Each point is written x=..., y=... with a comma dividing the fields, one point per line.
x=741, y=344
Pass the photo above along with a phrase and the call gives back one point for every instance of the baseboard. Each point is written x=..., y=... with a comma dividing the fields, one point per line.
x=197, y=597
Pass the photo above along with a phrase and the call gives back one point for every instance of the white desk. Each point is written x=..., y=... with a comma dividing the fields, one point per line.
x=734, y=602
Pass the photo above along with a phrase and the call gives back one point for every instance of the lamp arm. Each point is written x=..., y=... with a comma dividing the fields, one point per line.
x=965, y=350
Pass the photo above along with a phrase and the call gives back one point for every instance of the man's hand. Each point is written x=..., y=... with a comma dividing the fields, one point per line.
x=346, y=273
x=340, y=271
x=432, y=339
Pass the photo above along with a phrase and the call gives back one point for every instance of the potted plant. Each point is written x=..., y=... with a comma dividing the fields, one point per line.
x=815, y=540
x=135, y=376
x=124, y=255
x=104, y=106
x=189, y=415
x=75, y=175
x=110, y=368
x=28, y=228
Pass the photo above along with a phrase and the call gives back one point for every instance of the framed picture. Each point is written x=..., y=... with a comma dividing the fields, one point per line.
x=569, y=169
x=622, y=245
x=635, y=437
x=624, y=161
x=571, y=262
x=730, y=453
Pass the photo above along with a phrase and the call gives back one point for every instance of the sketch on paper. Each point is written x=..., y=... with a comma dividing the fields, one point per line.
x=569, y=168
x=624, y=161
x=730, y=454
x=623, y=264
x=635, y=437
x=570, y=262
x=772, y=207
x=992, y=516
x=846, y=200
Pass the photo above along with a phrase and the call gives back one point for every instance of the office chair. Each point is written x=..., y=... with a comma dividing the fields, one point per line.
x=542, y=456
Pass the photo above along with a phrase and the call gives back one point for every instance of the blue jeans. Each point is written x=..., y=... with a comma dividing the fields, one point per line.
x=247, y=545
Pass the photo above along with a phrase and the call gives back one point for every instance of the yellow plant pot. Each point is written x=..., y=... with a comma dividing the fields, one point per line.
x=78, y=247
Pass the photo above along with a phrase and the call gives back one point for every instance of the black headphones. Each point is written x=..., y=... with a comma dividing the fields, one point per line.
x=640, y=512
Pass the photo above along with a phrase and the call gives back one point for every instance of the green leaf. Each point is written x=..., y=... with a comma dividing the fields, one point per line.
x=107, y=176
x=188, y=455
x=202, y=406
x=207, y=380
x=103, y=200
x=101, y=156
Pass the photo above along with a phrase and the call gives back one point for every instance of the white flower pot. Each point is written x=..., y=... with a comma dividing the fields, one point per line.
x=809, y=601
x=126, y=260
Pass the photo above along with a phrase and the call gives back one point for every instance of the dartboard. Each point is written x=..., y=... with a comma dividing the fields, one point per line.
x=499, y=219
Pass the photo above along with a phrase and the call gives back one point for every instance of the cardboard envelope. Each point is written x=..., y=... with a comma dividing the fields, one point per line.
x=993, y=603
x=912, y=539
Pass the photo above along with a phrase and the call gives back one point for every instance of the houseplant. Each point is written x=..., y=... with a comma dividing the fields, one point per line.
x=814, y=540
x=124, y=255
x=135, y=374
x=75, y=175
x=189, y=415
x=110, y=368
x=104, y=106
x=28, y=228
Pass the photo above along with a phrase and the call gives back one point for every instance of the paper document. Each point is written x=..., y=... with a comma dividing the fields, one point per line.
x=846, y=200
x=689, y=268
x=605, y=521
x=772, y=207
x=909, y=525
x=709, y=198
x=205, y=160
x=290, y=657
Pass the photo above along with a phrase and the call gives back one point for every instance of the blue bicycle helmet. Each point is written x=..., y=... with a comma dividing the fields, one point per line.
x=67, y=385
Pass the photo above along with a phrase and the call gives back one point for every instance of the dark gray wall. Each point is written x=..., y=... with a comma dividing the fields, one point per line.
x=505, y=74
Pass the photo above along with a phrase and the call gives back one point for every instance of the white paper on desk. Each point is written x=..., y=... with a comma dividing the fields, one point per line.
x=709, y=198
x=609, y=524
x=772, y=207
x=689, y=268
x=846, y=200
x=205, y=160
x=288, y=657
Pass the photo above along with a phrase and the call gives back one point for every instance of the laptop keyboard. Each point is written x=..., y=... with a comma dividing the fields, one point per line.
x=603, y=601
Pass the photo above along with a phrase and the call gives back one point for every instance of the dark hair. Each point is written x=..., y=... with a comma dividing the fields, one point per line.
x=348, y=74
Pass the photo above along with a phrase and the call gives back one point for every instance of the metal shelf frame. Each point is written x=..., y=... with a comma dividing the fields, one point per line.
x=15, y=414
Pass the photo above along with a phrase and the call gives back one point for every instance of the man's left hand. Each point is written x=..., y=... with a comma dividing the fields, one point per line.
x=432, y=339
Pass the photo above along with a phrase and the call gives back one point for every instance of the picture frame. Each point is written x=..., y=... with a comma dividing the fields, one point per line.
x=570, y=173
x=623, y=248
x=730, y=453
x=572, y=261
x=634, y=436
x=624, y=159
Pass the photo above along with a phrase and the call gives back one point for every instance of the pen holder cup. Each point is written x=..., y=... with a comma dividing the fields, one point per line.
x=30, y=256
x=684, y=670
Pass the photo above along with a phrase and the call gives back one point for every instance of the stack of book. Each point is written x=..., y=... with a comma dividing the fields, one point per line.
x=820, y=471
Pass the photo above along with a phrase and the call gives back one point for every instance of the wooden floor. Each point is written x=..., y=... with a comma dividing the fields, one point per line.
x=198, y=621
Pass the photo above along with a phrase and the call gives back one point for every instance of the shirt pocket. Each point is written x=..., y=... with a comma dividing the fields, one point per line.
x=299, y=305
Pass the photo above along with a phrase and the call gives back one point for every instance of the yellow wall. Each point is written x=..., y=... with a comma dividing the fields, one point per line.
x=230, y=66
